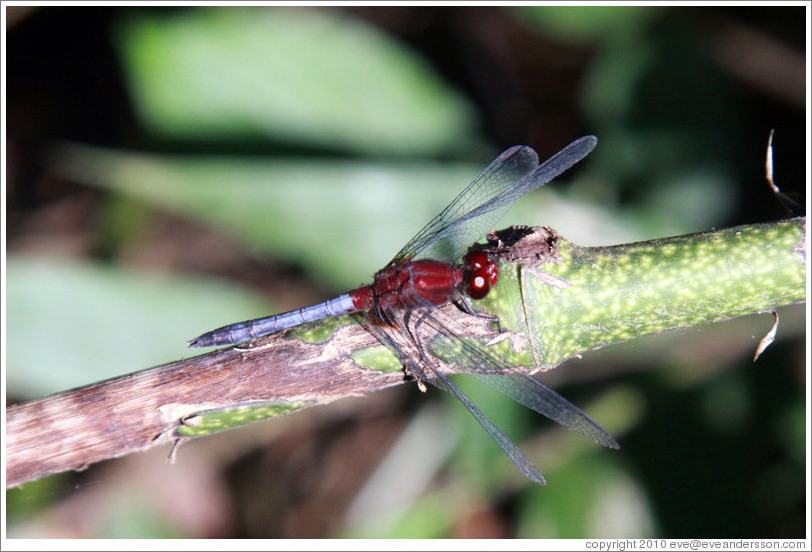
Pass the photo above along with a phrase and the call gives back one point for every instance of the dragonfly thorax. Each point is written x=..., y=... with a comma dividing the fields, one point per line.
x=427, y=283
x=412, y=284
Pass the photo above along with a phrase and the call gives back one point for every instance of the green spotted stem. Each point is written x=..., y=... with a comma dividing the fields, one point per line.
x=206, y=423
x=610, y=294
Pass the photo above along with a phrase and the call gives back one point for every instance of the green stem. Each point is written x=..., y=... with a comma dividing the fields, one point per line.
x=603, y=295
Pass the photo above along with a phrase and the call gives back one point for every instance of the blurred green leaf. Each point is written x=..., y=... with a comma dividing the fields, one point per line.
x=310, y=77
x=584, y=24
x=72, y=323
x=591, y=497
x=134, y=518
x=431, y=517
x=791, y=430
x=31, y=498
x=343, y=220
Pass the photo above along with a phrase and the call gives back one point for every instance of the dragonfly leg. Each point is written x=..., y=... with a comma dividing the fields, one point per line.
x=410, y=374
x=465, y=306
x=253, y=348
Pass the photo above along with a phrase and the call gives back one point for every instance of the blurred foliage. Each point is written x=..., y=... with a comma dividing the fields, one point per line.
x=588, y=24
x=304, y=133
x=217, y=75
x=90, y=313
x=284, y=207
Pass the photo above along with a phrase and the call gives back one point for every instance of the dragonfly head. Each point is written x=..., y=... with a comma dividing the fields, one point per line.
x=480, y=274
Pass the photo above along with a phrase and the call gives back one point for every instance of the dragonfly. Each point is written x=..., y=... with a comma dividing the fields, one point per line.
x=435, y=268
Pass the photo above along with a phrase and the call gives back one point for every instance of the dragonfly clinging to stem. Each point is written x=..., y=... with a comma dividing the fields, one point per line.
x=434, y=268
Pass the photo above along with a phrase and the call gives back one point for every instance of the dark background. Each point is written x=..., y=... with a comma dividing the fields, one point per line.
x=717, y=448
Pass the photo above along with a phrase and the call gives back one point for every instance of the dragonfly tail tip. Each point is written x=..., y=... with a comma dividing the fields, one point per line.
x=539, y=480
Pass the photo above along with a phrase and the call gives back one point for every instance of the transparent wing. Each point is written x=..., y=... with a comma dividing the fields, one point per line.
x=485, y=366
x=508, y=447
x=535, y=395
x=401, y=341
x=480, y=206
x=494, y=371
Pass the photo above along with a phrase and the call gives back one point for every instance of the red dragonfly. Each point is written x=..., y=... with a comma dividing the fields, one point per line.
x=433, y=269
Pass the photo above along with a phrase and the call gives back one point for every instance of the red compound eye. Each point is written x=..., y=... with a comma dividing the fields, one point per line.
x=481, y=274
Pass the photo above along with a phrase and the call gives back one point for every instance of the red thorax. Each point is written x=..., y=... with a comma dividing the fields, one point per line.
x=424, y=283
